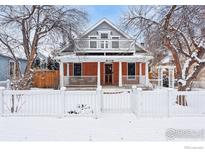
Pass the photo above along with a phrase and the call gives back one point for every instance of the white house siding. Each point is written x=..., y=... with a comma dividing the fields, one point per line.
x=104, y=27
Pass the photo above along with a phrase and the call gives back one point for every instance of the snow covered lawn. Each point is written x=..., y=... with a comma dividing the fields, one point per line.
x=109, y=127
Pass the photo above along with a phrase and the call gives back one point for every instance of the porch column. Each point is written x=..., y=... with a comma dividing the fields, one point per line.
x=169, y=77
x=68, y=75
x=159, y=76
x=98, y=75
x=61, y=75
x=120, y=74
x=140, y=73
x=146, y=74
x=173, y=79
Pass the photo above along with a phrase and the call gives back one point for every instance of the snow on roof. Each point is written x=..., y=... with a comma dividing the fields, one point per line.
x=44, y=53
x=19, y=54
x=130, y=58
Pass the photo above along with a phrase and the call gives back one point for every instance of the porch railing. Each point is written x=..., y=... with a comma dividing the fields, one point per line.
x=133, y=79
x=80, y=81
x=105, y=44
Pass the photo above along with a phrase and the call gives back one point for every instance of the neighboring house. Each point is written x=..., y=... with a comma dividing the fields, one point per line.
x=104, y=56
x=7, y=67
x=41, y=60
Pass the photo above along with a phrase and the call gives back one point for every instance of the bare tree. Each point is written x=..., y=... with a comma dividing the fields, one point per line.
x=26, y=28
x=179, y=29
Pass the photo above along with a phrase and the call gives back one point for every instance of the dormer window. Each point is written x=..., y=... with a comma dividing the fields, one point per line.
x=104, y=35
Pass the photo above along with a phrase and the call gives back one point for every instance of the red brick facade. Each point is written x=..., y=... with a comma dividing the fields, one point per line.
x=90, y=69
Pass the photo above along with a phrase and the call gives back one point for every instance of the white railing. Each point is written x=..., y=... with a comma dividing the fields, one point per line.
x=156, y=103
x=80, y=103
x=48, y=103
x=187, y=103
x=31, y=102
x=116, y=101
x=105, y=44
x=153, y=103
x=133, y=79
x=80, y=81
x=169, y=103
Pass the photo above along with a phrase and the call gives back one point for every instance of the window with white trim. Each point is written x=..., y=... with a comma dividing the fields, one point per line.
x=77, y=69
x=93, y=42
x=104, y=35
x=115, y=42
x=131, y=70
x=104, y=43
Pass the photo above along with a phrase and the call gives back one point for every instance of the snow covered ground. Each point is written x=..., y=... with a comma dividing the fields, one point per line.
x=109, y=127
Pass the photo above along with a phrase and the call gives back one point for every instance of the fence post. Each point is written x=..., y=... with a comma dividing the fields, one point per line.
x=62, y=99
x=2, y=100
x=98, y=104
x=169, y=102
x=139, y=101
x=133, y=99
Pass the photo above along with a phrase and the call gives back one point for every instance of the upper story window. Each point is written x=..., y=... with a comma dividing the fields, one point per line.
x=77, y=69
x=93, y=42
x=104, y=43
x=115, y=42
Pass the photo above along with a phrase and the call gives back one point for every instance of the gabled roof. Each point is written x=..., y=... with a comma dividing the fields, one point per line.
x=8, y=55
x=109, y=23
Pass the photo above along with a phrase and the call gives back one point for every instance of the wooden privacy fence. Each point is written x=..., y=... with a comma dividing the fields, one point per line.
x=46, y=79
x=157, y=103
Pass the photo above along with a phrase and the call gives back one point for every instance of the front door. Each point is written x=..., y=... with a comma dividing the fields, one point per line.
x=108, y=74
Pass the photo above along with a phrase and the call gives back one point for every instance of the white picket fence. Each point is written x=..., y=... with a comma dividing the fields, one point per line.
x=48, y=103
x=116, y=102
x=157, y=103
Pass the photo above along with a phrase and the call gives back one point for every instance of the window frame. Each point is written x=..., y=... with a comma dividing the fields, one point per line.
x=115, y=40
x=105, y=41
x=128, y=76
x=94, y=40
x=80, y=70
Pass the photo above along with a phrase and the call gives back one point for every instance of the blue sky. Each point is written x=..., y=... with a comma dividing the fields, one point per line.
x=111, y=12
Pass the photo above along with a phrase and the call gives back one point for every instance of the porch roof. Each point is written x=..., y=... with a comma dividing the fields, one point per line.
x=130, y=58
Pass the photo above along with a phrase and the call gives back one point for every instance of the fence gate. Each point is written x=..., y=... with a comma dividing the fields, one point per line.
x=116, y=101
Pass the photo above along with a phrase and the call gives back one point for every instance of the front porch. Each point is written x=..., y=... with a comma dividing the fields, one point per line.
x=93, y=72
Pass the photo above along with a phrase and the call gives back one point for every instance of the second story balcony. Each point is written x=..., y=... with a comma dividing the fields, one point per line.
x=105, y=44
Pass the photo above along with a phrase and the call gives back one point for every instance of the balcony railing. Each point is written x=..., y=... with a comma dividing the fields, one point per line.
x=105, y=44
x=80, y=81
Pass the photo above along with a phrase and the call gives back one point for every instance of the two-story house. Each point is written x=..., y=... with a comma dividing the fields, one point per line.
x=104, y=56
